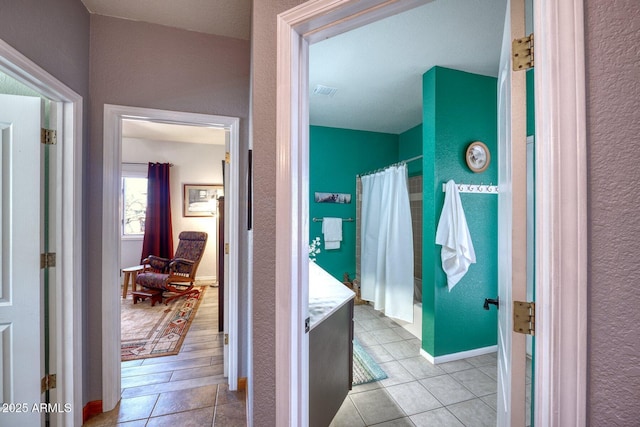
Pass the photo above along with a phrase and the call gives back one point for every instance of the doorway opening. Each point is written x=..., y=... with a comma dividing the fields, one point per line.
x=558, y=114
x=383, y=73
x=115, y=118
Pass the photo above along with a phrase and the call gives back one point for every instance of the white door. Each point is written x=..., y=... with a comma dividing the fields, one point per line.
x=512, y=226
x=231, y=218
x=20, y=345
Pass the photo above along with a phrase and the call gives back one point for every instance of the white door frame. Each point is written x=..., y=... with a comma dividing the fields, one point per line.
x=112, y=151
x=68, y=348
x=560, y=213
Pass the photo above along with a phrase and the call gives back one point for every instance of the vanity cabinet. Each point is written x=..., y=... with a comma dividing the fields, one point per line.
x=331, y=306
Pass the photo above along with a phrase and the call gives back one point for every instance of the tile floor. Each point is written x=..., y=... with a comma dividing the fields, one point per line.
x=187, y=389
x=416, y=392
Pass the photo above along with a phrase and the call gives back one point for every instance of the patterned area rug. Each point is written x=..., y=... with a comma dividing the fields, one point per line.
x=156, y=331
x=365, y=369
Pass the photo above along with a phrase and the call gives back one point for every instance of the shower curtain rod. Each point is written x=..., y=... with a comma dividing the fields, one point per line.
x=391, y=165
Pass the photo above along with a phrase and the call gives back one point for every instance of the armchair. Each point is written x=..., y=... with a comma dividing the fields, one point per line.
x=175, y=275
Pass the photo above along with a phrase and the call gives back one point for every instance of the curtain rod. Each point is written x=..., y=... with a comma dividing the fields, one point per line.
x=391, y=165
x=135, y=163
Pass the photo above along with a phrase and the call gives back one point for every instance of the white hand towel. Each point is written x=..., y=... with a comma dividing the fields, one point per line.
x=332, y=230
x=453, y=234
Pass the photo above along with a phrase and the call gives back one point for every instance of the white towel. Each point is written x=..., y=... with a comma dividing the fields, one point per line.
x=453, y=234
x=332, y=230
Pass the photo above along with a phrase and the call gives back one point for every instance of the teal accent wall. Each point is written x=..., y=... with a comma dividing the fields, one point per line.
x=409, y=146
x=531, y=110
x=336, y=156
x=459, y=108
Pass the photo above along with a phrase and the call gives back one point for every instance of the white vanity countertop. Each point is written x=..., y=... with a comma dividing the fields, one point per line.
x=326, y=294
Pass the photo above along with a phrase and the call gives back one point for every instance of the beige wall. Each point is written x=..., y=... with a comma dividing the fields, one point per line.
x=152, y=66
x=613, y=138
x=193, y=163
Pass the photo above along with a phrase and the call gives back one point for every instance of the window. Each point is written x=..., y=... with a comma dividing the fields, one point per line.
x=133, y=200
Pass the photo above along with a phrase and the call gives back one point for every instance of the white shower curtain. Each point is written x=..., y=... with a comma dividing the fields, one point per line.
x=387, y=243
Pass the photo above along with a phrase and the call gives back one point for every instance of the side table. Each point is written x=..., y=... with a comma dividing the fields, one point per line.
x=130, y=274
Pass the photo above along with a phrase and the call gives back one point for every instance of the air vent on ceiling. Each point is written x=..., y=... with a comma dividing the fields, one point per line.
x=325, y=90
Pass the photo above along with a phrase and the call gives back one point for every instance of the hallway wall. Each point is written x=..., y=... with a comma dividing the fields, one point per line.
x=263, y=102
x=613, y=126
x=153, y=66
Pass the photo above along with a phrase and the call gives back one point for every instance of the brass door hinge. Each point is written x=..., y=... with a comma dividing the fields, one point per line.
x=522, y=53
x=524, y=317
x=227, y=157
x=48, y=136
x=226, y=339
x=48, y=260
x=226, y=248
x=47, y=382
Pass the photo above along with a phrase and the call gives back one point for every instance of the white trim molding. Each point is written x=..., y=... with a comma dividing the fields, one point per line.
x=68, y=322
x=458, y=356
x=561, y=221
x=113, y=116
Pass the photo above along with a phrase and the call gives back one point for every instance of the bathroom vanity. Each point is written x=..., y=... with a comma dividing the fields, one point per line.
x=330, y=345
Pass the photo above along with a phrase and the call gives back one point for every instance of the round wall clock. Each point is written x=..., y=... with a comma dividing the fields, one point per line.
x=478, y=156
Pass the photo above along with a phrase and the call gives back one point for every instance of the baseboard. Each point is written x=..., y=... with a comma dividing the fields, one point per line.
x=206, y=279
x=242, y=384
x=91, y=409
x=457, y=356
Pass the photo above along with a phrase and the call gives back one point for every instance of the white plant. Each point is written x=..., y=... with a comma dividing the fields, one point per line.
x=314, y=249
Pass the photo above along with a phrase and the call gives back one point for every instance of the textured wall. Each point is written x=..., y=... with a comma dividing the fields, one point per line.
x=152, y=66
x=613, y=132
x=63, y=24
x=459, y=108
x=263, y=110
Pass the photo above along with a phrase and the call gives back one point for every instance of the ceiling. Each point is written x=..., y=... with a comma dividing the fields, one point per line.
x=377, y=69
x=230, y=18
x=153, y=131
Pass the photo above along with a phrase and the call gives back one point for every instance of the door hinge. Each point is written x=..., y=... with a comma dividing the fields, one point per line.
x=226, y=248
x=227, y=157
x=307, y=325
x=524, y=317
x=226, y=339
x=522, y=53
x=47, y=382
x=48, y=260
x=48, y=136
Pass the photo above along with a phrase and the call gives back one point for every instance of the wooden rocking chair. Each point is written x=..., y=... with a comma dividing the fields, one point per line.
x=175, y=275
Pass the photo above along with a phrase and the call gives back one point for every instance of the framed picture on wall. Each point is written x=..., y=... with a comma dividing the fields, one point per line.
x=332, y=197
x=201, y=199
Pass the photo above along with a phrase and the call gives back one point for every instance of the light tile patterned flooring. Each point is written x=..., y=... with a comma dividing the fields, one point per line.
x=416, y=392
x=187, y=389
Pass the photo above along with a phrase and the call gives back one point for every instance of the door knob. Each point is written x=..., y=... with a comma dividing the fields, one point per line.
x=488, y=301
